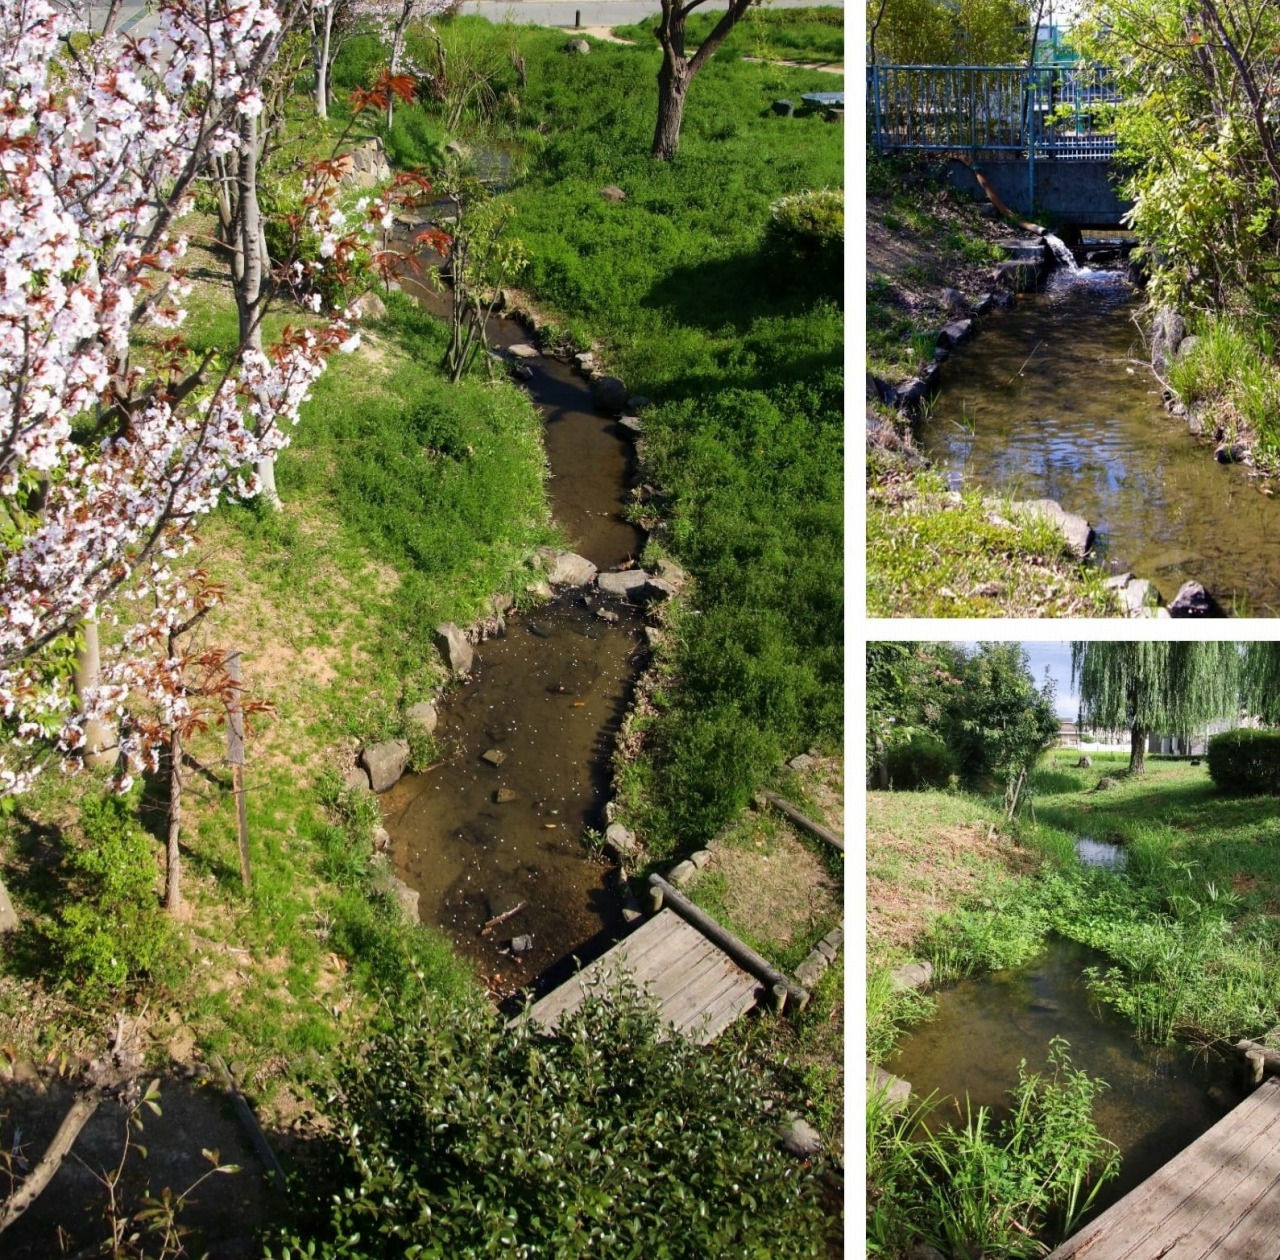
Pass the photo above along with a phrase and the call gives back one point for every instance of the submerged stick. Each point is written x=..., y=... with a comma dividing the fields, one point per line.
x=502, y=918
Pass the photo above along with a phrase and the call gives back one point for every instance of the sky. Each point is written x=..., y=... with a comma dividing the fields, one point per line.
x=1056, y=658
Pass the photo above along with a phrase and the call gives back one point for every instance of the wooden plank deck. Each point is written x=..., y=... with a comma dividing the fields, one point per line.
x=1219, y=1198
x=699, y=990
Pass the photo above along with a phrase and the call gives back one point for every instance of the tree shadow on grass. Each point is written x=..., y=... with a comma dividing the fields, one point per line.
x=737, y=291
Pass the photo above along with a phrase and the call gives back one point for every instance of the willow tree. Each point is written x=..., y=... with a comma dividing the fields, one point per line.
x=1260, y=692
x=1156, y=686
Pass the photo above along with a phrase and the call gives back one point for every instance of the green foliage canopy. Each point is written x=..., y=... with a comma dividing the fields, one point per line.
x=1200, y=134
x=949, y=32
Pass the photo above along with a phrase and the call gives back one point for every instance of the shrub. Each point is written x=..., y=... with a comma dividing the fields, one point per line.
x=458, y=1138
x=110, y=931
x=922, y=761
x=1246, y=761
x=807, y=229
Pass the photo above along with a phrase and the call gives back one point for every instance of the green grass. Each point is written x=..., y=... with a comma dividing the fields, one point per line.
x=815, y=34
x=694, y=304
x=1231, y=373
x=1189, y=928
x=930, y=556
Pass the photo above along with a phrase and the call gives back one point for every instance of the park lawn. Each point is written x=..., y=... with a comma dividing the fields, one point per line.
x=812, y=35
x=1189, y=929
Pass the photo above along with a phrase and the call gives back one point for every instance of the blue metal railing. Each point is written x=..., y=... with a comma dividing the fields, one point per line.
x=1047, y=111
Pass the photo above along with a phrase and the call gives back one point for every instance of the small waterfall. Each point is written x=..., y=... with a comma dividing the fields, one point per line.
x=1061, y=252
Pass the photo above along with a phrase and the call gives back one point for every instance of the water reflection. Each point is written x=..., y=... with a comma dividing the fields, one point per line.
x=1053, y=400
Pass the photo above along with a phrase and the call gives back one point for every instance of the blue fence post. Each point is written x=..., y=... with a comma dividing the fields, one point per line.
x=1032, y=101
x=875, y=88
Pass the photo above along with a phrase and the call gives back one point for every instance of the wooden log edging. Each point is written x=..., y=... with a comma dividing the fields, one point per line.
x=804, y=823
x=250, y=1122
x=823, y=954
x=1260, y=1061
x=739, y=951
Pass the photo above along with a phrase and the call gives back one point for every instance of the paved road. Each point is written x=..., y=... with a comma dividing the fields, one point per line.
x=134, y=16
x=594, y=12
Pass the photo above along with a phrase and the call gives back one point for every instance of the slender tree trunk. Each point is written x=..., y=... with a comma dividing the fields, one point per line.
x=80, y=1113
x=249, y=263
x=173, y=858
x=99, y=739
x=113, y=16
x=673, y=87
x=321, y=42
x=1138, y=750
x=397, y=51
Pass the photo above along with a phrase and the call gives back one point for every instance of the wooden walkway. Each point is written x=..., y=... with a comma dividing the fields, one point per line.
x=699, y=990
x=1219, y=1198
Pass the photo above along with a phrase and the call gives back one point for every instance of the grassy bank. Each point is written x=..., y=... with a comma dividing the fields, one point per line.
x=688, y=295
x=1186, y=931
x=1188, y=927
x=406, y=502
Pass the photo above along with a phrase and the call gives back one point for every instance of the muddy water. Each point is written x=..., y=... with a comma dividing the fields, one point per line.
x=1047, y=402
x=477, y=840
x=1157, y=1102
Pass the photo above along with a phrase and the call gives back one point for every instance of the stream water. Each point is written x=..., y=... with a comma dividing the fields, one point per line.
x=476, y=840
x=1158, y=1097
x=1051, y=400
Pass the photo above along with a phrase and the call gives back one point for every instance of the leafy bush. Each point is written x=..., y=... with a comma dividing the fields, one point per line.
x=457, y=1138
x=923, y=760
x=110, y=932
x=813, y=219
x=1246, y=761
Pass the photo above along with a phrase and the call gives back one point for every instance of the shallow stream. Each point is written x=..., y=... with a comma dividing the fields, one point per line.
x=477, y=840
x=1158, y=1097
x=1052, y=400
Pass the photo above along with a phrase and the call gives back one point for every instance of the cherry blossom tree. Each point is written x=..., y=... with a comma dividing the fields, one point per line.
x=115, y=440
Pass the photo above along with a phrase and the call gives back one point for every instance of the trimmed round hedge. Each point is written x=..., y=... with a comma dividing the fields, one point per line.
x=1246, y=761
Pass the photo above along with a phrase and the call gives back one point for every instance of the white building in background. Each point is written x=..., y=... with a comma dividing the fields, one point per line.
x=1070, y=735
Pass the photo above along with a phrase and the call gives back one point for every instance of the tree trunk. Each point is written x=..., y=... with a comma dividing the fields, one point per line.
x=1137, y=750
x=173, y=860
x=248, y=263
x=321, y=43
x=82, y=1109
x=100, y=747
x=673, y=86
x=397, y=51
x=678, y=71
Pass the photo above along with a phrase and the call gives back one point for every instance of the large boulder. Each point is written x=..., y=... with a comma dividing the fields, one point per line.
x=370, y=306
x=1192, y=600
x=620, y=840
x=1167, y=331
x=566, y=568
x=457, y=652
x=578, y=46
x=1075, y=529
x=385, y=762
x=620, y=584
x=610, y=394
x=954, y=333
x=423, y=715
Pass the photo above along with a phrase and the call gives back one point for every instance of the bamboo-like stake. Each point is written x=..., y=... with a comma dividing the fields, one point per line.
x=235, y=755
